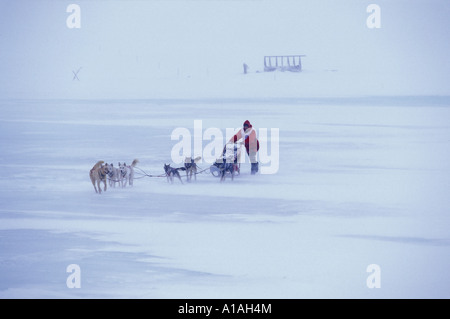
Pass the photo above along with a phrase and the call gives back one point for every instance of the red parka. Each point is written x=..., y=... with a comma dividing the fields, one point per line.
x=250, y=141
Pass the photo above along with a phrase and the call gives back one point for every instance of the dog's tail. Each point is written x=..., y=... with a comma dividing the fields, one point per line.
x=181, y=168
x=197, y=159
x=98, y=164
x=134, y=162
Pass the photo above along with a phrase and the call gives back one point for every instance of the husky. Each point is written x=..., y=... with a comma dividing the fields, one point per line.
x=226, y=166
x=98, y=174
x=127, y=173
x=113, y=174
x=172, y=172
x=191, y=167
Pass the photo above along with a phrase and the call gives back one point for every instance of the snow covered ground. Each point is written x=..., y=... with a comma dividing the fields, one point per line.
x=361, y=181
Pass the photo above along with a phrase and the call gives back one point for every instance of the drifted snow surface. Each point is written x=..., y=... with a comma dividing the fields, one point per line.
x=361, y=181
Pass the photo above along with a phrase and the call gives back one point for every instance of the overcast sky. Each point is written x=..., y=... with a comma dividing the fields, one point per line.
x=125, y=47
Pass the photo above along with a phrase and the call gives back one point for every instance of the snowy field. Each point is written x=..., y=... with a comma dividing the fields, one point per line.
x=361, y=181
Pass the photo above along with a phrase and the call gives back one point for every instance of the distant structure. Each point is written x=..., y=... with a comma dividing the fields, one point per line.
x=291, y=63
x=75, y=75
x=245, y=68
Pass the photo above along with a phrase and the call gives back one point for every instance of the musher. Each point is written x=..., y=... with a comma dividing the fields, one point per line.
x=250, y=141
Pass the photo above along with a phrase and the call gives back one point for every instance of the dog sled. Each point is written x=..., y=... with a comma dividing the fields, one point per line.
x=228, y=163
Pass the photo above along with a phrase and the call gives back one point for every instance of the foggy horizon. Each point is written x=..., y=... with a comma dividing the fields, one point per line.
x=189, y=49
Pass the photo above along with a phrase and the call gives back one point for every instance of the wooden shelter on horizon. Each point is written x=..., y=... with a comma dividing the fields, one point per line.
x=291, y=63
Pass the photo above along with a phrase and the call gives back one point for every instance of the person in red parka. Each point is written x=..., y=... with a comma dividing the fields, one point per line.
x=250, y=141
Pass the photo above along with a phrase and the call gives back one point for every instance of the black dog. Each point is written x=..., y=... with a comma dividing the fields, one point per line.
x=172, y=172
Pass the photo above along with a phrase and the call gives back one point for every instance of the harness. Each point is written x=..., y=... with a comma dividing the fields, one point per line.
x=224, y=165
x=170, y=171
x=101, y=175
x=191, y=164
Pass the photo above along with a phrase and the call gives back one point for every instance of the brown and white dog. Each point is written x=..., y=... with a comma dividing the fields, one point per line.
x=98, y=174
x=191, y=167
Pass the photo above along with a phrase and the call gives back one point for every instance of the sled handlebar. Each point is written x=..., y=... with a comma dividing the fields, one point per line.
x=229, y=143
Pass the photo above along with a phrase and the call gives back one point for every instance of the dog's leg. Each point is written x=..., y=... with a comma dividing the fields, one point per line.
x=131, y=176
x=93, y=183
x=127, y=178
x=179, y=177
x=110, y=178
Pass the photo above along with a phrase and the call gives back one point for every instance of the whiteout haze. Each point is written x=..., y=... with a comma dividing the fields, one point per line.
x=352, y=196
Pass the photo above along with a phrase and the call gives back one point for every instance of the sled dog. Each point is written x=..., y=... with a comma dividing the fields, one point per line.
x=98, y=174
x=127, y=173
x=227, y=165
x=113, y=174
x=172, y=172
x=191, y=167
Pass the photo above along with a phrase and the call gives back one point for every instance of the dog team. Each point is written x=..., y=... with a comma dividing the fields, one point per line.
x=190, y=166
x=124, y=174
x=224, y=166
x=103, y=172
